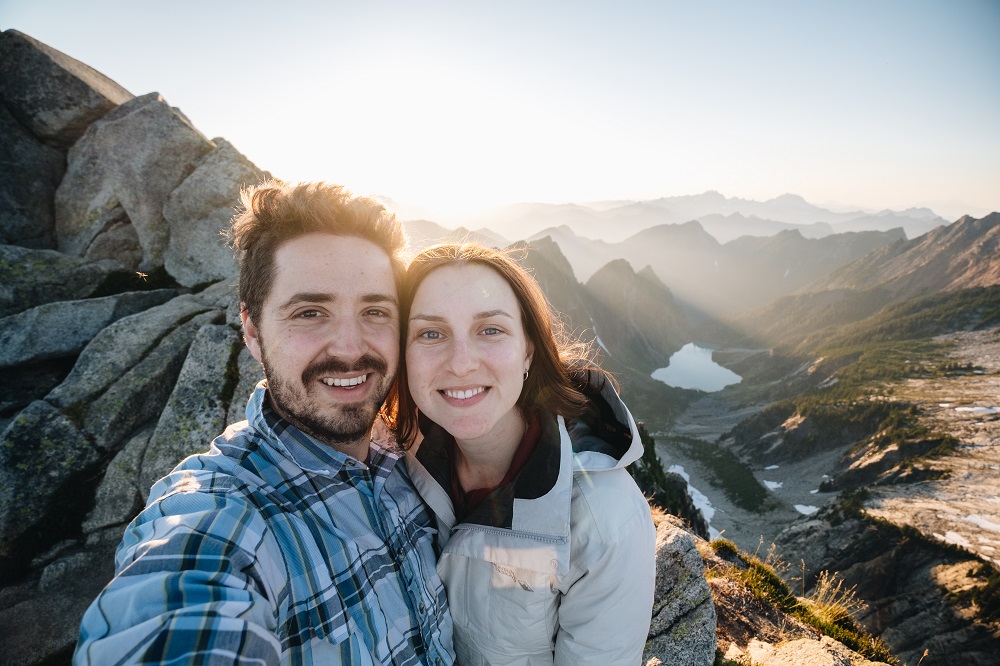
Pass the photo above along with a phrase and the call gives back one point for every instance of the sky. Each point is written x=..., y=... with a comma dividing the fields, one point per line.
x=454, y=107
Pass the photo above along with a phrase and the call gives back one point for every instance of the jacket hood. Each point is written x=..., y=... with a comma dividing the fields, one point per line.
x=606, y=437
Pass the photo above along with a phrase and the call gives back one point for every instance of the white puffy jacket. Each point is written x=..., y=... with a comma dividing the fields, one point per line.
x=557, y=567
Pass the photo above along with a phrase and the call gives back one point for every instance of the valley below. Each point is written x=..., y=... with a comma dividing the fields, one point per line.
x=960, y=507
x=914, y=532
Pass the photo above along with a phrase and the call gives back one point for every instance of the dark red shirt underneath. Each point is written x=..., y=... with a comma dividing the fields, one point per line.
x=465, y=502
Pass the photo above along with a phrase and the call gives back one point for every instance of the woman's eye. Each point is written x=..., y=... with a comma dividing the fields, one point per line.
x=430, y=335
x=492, y=330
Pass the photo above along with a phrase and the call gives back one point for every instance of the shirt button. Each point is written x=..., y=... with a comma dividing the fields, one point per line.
x=349, y=463
x=422, y=608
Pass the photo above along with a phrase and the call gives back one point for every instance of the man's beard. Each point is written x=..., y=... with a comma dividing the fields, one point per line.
x=345, y=423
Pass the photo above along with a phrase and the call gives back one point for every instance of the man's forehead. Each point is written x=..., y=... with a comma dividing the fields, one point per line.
x=335, y=265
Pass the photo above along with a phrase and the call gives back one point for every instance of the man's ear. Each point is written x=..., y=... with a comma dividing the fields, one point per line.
x=251, y=336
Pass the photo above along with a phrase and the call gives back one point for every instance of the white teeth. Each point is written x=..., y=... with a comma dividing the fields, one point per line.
x=353, y=381
x=464, y=395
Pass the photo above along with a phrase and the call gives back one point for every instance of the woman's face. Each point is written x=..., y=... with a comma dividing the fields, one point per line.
x=466, y=353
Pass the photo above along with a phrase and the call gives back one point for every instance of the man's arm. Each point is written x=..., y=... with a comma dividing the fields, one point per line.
x=193, y=585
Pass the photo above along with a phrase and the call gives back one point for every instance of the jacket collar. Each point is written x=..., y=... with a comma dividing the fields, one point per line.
x=537, y=503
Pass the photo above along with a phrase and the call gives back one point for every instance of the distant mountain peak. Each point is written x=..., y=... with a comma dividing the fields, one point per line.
x=788, y=197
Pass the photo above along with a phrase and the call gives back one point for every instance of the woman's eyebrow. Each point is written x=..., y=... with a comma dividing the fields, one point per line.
x=477, y=316
x=492, y=313
x=426, y=317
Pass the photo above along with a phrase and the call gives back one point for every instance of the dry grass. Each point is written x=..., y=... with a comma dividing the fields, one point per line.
x=832, y=601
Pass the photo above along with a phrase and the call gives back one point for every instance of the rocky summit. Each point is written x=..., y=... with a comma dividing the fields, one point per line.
x=122, y=353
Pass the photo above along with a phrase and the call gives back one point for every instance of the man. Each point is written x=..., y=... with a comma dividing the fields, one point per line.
x=297, y=538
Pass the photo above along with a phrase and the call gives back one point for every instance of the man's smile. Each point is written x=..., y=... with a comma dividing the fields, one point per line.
x=346, y=382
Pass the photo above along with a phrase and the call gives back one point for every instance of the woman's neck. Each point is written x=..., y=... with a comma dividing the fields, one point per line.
x=482, y=463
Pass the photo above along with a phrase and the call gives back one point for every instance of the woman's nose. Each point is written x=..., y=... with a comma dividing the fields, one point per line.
x=463, y=359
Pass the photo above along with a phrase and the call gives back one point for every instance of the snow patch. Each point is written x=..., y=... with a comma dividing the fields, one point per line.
x=699, y=499
x=773, y=485
x=979, y=410
x=597, y=335
x=771, y=467
x=954, y=538
x=806, y=510
x=983, y=522
x=813, y=492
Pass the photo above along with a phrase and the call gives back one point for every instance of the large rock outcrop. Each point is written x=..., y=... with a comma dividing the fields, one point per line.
x=682, y=631
x=111, y=375
x=53, y=95
x=26, y=193
x=127, y=164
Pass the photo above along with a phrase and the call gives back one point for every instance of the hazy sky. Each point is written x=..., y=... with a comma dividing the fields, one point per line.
x=461, y=105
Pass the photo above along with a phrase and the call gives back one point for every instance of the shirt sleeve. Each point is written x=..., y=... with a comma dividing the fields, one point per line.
x=189, y=588
x=604, y=615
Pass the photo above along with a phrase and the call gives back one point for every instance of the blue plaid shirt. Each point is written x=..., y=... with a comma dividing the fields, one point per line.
x=274, y=548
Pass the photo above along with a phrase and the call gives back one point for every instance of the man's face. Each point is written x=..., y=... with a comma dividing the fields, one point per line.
x=328, y=335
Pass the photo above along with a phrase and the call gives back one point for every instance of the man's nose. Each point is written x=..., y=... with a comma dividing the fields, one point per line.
x=346, y=339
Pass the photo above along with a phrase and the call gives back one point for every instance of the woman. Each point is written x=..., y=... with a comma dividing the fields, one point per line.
x=546, y=542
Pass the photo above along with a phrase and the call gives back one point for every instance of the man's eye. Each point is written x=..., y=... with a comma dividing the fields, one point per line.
x=377, y=312
x=307, y=314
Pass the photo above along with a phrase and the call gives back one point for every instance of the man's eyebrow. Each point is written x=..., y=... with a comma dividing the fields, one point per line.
x=306, y=297
x=320, y=297
x=379, y=298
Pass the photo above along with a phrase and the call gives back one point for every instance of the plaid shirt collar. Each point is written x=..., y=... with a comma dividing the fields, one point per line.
x=306, y=451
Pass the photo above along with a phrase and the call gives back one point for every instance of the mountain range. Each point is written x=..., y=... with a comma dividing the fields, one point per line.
x=725, y=218
x=858, y=337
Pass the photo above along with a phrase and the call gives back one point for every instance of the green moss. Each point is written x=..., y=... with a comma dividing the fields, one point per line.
x=76, y=413
x=724, y=547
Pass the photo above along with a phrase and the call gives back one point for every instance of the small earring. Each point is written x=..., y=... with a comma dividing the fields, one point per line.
x=525, y=376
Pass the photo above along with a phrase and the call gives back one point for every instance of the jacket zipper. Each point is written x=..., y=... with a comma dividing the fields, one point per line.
x=503, y=531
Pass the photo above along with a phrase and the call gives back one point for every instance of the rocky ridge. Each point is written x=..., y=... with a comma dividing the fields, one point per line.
x=121, y=351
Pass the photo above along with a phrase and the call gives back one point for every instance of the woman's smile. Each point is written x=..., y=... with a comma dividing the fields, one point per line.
x=463, y=396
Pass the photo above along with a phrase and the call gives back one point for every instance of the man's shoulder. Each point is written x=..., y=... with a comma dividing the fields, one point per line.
x=234, y=460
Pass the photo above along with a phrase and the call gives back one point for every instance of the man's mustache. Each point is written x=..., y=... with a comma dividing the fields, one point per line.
x=365, y=364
